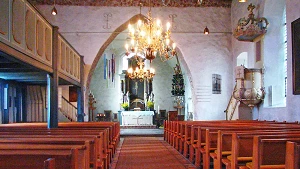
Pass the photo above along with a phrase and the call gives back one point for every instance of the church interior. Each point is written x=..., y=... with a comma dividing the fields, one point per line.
x=81, y=72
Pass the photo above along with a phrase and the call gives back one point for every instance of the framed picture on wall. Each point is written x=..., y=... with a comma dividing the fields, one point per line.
x=296, y=56
x=73, y=94
x=216, y=84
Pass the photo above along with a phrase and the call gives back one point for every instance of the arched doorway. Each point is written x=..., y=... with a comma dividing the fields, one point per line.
x=106, y=85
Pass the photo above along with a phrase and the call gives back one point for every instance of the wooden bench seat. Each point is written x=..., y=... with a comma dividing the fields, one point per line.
x=194, y=135
x=269, y=152
x=90, y=155
x=101, y=153
x=106, y=136
x=29, y=159
x=245, y=146
x=224, y=144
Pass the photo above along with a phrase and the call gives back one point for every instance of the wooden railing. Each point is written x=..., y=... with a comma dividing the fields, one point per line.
x=24, y=29
x=68, y=109
x=231, y=107
x=69, y=59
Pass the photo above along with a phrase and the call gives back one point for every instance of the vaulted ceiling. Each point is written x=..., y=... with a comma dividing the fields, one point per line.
x=128, y=3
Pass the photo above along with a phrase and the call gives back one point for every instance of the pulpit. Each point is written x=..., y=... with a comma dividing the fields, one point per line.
x=137, y=118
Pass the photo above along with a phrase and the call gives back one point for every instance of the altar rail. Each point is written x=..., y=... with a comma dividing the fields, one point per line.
x=24, y=29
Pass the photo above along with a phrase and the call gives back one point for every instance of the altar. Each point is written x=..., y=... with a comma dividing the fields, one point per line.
x=137, y=118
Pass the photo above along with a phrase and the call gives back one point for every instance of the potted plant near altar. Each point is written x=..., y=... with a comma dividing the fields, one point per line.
x=125, y=106
x=150, y=105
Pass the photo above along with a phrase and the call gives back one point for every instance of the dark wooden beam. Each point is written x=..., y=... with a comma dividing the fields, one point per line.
x=80, y=97
x=52, y=84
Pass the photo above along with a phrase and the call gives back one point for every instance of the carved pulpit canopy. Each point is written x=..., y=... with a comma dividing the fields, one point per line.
x=252, y=28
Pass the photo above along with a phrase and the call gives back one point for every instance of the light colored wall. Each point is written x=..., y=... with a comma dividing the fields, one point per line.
x=272, y=51
x=162, y=85
x=108, y=95
x=201, y=56
x=106, y=91
x=293, y=106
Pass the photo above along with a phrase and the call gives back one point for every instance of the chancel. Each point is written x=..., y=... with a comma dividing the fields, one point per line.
x=79, y=97
x=138, y=90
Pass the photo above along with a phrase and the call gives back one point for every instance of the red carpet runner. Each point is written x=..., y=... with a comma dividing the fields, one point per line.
x=149, y=153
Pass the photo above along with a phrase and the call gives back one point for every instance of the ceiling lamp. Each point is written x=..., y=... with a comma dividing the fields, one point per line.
x=141, y=72
x=150, y=39
x=206, y=31
x=242, y=0
x=54, y=11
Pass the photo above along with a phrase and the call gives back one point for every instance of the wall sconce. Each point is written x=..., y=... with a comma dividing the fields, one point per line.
x=54, y=11
x=206, y=31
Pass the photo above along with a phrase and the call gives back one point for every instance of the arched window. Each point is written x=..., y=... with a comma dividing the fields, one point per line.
x=242, y=59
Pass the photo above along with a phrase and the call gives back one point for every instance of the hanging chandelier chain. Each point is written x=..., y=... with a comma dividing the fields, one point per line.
x=149, y=38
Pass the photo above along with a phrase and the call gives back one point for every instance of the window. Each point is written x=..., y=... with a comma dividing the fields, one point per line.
x=285, y=52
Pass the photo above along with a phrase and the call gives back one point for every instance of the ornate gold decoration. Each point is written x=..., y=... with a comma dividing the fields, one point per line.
x=150, y=39
x=141, y=72
x=250, y=88
x=252, y=28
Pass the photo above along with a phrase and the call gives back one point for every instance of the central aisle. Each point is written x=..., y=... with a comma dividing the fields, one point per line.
x=149, y=153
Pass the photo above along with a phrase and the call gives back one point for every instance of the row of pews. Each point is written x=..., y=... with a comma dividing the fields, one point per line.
x=73, y=145
x=239, y=144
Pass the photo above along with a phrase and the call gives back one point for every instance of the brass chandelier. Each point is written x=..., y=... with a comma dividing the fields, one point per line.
x=150, y=39
x=141, y=72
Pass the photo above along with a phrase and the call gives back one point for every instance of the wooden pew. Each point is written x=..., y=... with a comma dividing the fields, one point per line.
x=49, y=163
x=171, y=125
x=113, y=136
x=13, y=158
x=90, y=158
x=113, y=129
x=166, y=130
x=244, y=148
x=179, y=135
x=246, y=125
x=206, y=140
x=292, y=155
x=98, y=136
x=224, y=143
x=195, y=141
x=190, y=143
x=83, y=155
x=58, y=138
x=270, y=153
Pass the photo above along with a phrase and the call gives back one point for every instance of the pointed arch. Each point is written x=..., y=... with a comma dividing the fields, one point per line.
x=111, y=38
x=120, y=29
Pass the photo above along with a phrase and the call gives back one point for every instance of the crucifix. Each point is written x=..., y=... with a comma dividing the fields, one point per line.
x=136, y=87
x=137, y=119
